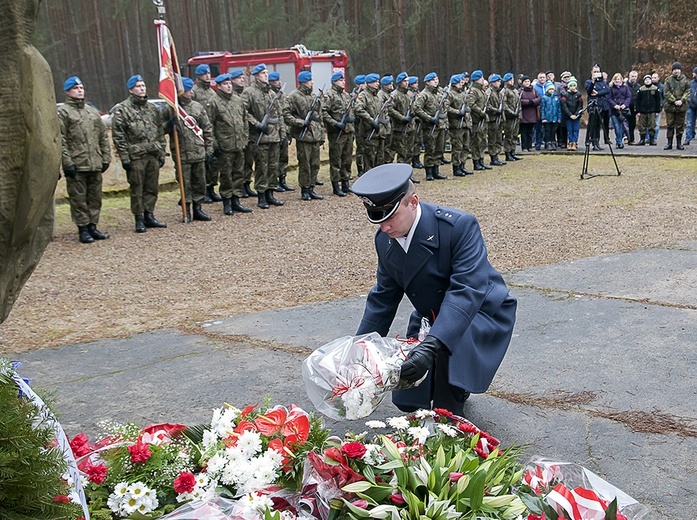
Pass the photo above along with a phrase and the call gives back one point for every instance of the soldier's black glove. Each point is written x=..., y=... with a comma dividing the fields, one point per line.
x=70, y=172
x=407, y=119
x=264, y=129
x=161, y=161
x=350, y=119
x=375, y=124
x=315, y=117
x=421, y=359
x=105, y=166
x=208, y=158
x=340, y=126
x=127, y=166
x=216, y=152
x=434, y=120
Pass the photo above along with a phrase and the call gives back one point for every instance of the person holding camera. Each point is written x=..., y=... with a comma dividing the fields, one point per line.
x=598, y=90
x=619, y=99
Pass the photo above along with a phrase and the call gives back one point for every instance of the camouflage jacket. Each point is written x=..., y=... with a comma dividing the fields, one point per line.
x=386, y=96
x=426, y=106
x=203, y=93
x=401, y=102
x=494, y=108
x=257, y=99
x=476, y=100
x=333, y=110
x=84, y=138
x=138, y=130
x=228, y=116
x=458, y=112
x=674, y=89
x=191, y=148
x=367, y=107
x=296, y=109
x=282, y=127
x=511, y=102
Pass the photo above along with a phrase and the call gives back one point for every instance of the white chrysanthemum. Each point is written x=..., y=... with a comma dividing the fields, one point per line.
x=120, y=489
x=424, y=414
x=210, y=439
x=249, y=443
x=398, y=423
x=273, y=458
x=419, y=433
x=375, y=424
x=373, y=455
x=447, y=430
x=235, y=454
x=202, y=480
x=129, y=505
x=256, y=502
x=147, y=505
x=223, y=421
x=114, y=502
x=216, y=463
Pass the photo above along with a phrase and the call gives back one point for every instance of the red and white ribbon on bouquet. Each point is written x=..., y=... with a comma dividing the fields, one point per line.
x=540, y=477
x=579, y=503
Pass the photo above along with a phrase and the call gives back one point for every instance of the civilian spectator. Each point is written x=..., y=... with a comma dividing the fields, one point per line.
x=529, y=102
x=691, y=108
x=619, y=99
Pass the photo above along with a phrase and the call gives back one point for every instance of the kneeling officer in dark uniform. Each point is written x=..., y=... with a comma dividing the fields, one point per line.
x=437, y=257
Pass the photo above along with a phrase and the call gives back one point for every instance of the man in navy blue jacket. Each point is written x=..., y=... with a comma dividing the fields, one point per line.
x=437, y=257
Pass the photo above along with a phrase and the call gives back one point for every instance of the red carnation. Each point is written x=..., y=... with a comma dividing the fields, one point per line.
x=80, y=445
x=185, y=482
x=96, y=473
x=353, y=450
x=140, y=452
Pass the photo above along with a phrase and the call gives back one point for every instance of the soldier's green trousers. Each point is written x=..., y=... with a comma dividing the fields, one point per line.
x=340, y=156
x=265, y=165
x=212, y=171
x=494, y=138
x=231, y=173
x=435, y=146
x=457, y=136
x=248, y=163
x=283, y=156
x=511, y=129
x=144, y=181
x=373, y=151
x=478, y=140
x=308, y=163
x=85, y=196
x=194, y=177
x=675, y=124
x=402, y=145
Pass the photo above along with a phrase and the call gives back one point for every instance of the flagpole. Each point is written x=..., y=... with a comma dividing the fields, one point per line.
x=175, y=133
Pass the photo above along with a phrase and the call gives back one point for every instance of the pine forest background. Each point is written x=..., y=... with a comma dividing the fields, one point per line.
x=105, y=42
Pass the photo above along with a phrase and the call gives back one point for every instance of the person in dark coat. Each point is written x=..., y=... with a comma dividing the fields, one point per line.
x=529, y=102
x=437, y=257
x=618, y=101
x=571, y=107
x=598, y=89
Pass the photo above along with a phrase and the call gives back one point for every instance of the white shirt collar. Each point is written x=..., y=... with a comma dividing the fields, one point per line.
x=406, y=241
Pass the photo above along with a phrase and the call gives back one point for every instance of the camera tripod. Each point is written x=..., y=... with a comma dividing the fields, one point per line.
x=594, y=122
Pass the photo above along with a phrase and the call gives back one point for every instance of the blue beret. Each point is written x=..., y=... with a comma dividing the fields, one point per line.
x=430, y=76
x=337, y=76
x=202, y=69
x=386, y=80
x=133, y=80
x=274, y=76
x=494, y=77
x=236, y=74
x=222, y=77
x=71, y=82
x=304, y=76
x=413, y=79
x=382, y=188
x=401, y=77
x=507, y=77
x=359, y=80
x=477, y=74
x=372, y=77
x=455, y=78
x=256, y=70
x=188, y=84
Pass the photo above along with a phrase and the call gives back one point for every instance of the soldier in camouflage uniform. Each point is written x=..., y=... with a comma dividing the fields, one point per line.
x=359, y=86
x=86, y=154
x=139, y=138
x=494, y=110
x=204, y=94
x=337, y=114
x=457, y=122
x=308, y=139
x=511, y=116
x=384, y=94
x=401, y=112
x=467, y=137
x=264, y=136
x=417, y=138
x=434, y=116
x=275, y=82
x=372, y=129
x=477, y=101
x=194, y=150
x=238, y=87
x=228, y=116
x=676, y=92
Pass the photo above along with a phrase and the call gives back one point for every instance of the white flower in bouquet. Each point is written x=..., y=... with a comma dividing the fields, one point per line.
x=204, y=489
x=373, y=455
x=126, y=499
x=424, y=414
x=398, y=423
x=216, y=463
x=209, y=440
x=419, y=433
x=375, y=424
x=223, y=421
x=447, y=430
x=254, y=501
x=249, y=443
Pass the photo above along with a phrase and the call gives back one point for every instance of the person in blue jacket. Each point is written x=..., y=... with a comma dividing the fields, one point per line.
x=436, y=256
x=550, y=115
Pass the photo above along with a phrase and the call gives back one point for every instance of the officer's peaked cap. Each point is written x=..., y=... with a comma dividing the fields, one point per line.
x=382, y=189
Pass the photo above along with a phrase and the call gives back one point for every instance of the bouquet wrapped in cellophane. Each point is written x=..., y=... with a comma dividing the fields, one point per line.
x=349, y=377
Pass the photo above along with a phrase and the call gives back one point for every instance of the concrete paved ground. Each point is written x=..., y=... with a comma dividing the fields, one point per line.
x=601, y=370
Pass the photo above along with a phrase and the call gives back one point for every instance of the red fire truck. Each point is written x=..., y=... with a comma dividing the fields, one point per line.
x=288, y=62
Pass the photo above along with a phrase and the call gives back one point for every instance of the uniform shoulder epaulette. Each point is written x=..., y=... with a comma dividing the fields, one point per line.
x=447, y=215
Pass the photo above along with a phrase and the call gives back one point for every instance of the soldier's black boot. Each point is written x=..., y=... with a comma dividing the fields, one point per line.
x=249, y=192
x=273, y=201
x=261, y=200
x=199, y=214
x=495, y=161
x=429, y=173
x=140, y=224
x=282, y=183
x=642, y=141
x=313, y=195
x=345, y=187
x=318, y=182
x=227, y=206
x=336, y=189
x=84, y=235
x=236, y=206
x=477, y=165
x=437, y=175
x=517, y=157
x=443, y=160
x=457, y=170
x=279, y=187
x=510, y=158
x=210, y=191
x=485, y=166
x=187, y=219
x=95, y=233
x=678, y=142
x=669, y=146
x=464, y=170
x=151, y=222
x=305, y=193
x=416, y=163
x=415, y=180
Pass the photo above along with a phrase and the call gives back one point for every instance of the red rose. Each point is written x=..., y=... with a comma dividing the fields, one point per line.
x=353, y=450
x=397, y=499
x=80, y=445
x=140, y=452
x=61, y=499
x=185, y=482
x=96, y=473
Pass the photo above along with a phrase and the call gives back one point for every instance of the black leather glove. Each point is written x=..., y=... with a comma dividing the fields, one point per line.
x=127, y=166
x=70, y=172
x=315, y=117
x=208, y=158
x=407, y=119
x=341, y=126
x=375, y=124
x=350, y=119
x=161, y=161
x=433, y=120
x=264, y=129
x=216, y=152
x=105, y=166
x=421, y=359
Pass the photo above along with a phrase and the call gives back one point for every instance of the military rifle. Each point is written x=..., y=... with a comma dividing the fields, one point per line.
x=516, y=112
x=463, y=112
x=437, y=115
x=344, y=117
x=499, y=112
x=408, y=114
x=480, y=125
x=267, y=116
x=308, y=117
x=378, y=117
